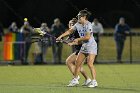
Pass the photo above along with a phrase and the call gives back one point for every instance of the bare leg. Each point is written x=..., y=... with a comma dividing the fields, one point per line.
x=70, y=61
x=83, y=72
x=79, y=61
x=90, y=61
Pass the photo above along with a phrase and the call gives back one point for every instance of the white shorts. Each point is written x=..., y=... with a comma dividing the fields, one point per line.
x=89, y=49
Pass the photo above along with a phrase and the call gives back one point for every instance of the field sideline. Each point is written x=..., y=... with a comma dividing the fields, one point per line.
x=107, y=51
x=112, y=78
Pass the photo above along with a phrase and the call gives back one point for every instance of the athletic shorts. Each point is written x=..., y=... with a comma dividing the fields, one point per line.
x=76, y=52
x=89, y=49
x=77, y=49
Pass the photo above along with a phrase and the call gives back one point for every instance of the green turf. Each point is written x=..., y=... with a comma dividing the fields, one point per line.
x=115, y=78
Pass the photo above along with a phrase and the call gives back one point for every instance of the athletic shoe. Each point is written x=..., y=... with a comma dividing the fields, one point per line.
x=78, y=78
x=93, y=84
x=73, y=82
x=86, y=82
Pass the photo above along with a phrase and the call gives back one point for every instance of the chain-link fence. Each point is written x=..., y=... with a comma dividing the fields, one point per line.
x=12, y=51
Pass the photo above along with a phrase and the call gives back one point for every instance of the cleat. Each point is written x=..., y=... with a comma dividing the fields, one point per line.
x=87, y=82
x=93, y=84
x=73, y=82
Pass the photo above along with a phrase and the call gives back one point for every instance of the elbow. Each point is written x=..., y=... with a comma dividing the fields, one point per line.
x=69, y=32
x=87, y=38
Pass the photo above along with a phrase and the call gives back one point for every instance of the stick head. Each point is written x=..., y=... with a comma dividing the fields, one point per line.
x=38, y=30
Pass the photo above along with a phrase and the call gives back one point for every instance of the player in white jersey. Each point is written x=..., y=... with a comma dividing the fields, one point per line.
x=70, y=61
x=88, y=49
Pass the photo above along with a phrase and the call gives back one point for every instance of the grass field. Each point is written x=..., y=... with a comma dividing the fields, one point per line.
x=112, y=78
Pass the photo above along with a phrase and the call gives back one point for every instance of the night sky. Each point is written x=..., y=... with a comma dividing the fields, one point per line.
x=37, y=11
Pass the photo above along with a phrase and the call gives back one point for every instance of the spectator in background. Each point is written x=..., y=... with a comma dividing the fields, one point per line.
x=13, y=27
x=57, y=29
x=1, y=32
x=97, y=31
x=26, y=30
x=46, y=41
x=121, y=30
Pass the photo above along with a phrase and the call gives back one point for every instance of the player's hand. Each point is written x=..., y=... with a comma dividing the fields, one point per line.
x=58, y=39
x=72, y=43
x=76, y=41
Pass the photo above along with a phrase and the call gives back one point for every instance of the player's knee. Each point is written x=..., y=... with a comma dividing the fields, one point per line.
x=90, y=65
x=68, y=62
x=81, y=69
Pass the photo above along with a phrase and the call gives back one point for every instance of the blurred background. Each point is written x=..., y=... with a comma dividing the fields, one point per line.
x=108, y=13
x=46, y=10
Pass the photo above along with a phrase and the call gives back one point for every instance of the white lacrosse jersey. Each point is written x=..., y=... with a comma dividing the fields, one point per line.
x=90, y=45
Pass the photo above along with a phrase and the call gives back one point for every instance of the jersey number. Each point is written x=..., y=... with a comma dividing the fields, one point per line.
x=82, y=34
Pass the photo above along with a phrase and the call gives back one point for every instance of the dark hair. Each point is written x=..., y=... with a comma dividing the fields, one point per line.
x=84, y=12
x=74, y=20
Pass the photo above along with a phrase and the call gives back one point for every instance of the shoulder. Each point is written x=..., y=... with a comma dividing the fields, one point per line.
x=89, y=23
x=77, y=24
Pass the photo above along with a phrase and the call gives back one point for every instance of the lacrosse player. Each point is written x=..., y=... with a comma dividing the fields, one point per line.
x=88, y=49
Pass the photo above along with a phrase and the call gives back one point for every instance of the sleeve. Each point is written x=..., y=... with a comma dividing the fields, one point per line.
x=89, y=28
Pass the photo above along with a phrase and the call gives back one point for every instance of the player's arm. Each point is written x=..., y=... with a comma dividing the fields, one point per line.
x=68, y=32
x=72, y=43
